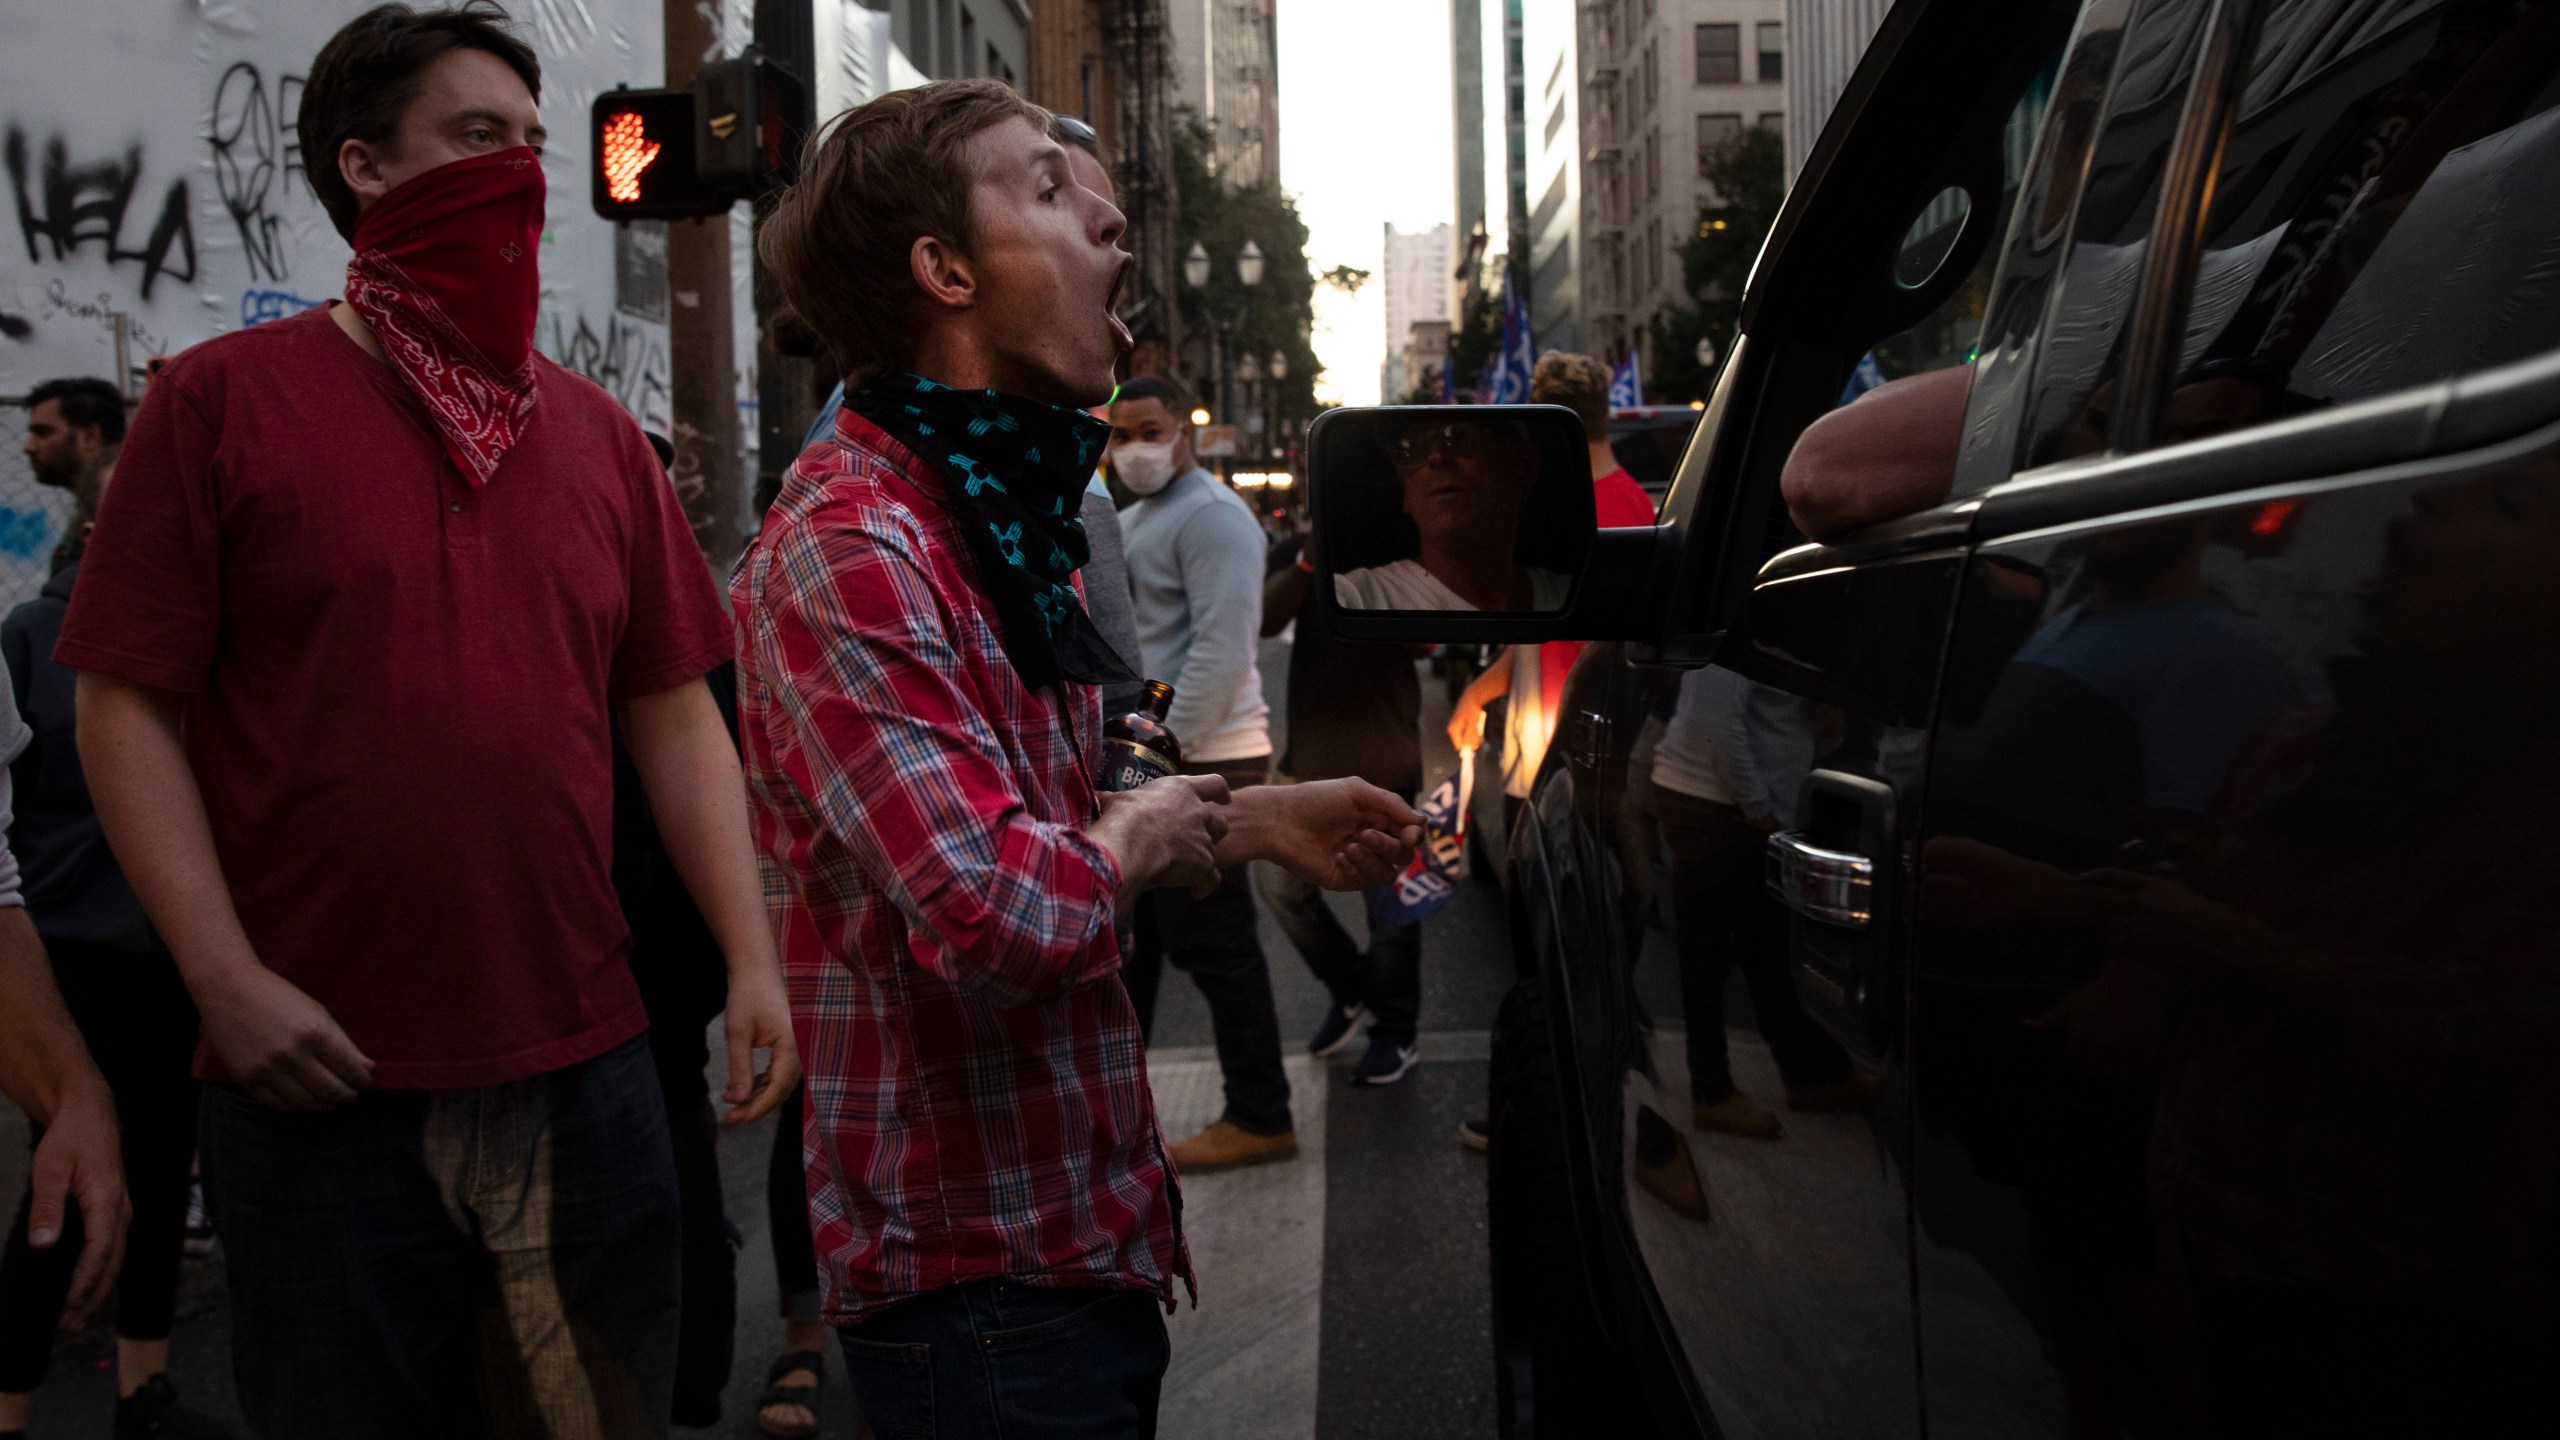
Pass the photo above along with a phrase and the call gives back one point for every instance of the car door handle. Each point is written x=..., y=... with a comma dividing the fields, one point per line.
x=1836, y=887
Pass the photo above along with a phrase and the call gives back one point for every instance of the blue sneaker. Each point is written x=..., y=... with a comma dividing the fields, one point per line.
x=1386, y=1061
x=1339, y=1029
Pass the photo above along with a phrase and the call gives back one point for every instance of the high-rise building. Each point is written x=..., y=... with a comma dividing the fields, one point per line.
x=1418, y=278
x=1663, y=83
x=1830, y=36
x=1550, y=42
x=1226, y=70
x=1492, y=144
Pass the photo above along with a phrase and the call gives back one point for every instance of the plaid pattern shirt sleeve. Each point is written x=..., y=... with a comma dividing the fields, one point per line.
x=913, y=780
x=977, y=1090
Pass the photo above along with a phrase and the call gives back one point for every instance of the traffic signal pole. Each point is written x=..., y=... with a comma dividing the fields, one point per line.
x=701, y=353
x=786, y=385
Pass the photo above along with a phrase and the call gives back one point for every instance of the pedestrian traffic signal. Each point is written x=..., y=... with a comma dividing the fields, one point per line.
x=673, y=154
x=754, y=115
x=644, y=158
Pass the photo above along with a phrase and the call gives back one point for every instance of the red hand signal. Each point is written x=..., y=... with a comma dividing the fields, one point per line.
x=628, y=152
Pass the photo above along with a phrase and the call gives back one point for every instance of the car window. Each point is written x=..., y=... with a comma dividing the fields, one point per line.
x=2386, y=213
x=2154, y=61
x=1889, y=446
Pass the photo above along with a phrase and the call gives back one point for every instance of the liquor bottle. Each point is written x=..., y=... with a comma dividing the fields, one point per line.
x=1138, y=747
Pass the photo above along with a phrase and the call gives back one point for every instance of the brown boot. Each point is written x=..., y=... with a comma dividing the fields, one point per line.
x=1735, y=1114
x=1226, y=1145
x=1674, y=1182
x=1857, y=1090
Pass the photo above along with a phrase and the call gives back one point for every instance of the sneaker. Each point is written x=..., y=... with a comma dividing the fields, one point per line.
x=1735, y=1114
x=199, y=1242
x=1226, y=1145
x=153, y=1413
x=1857, y=1090
x=1339, y=1029
x=1476, y=1134
x=1386, y=1061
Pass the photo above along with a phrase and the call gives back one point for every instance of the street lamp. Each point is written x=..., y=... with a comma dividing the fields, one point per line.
x=1248, y=263
x=1195, y=267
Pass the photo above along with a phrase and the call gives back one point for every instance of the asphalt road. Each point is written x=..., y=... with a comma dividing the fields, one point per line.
x=1341, y=1295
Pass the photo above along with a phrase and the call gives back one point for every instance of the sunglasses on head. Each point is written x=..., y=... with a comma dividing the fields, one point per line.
x=1459, y=439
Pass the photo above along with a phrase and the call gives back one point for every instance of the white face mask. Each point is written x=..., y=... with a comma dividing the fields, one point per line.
x=1145, y=469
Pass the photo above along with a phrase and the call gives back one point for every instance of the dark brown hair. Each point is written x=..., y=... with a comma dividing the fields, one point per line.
x=1577, y=382
x=871, y=181
x=366, y=76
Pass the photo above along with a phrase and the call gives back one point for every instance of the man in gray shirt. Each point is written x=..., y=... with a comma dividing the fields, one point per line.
x=1195, y=561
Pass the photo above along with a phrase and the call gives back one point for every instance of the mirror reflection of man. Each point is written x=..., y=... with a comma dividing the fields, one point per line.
x=69, y=423
x=1465, y=484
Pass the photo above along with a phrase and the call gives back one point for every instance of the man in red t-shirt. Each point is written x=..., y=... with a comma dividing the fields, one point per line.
x=1533, y=675
x=370, y=584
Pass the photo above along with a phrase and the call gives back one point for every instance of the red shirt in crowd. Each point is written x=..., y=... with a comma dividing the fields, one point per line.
x=1621, y=503
x=396, y=685
x=978, y=1100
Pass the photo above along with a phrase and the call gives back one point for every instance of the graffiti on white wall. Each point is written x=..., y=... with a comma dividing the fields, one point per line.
x=156, y=182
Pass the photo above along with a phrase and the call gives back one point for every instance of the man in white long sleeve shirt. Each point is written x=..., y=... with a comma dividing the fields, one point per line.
x=1195, y=559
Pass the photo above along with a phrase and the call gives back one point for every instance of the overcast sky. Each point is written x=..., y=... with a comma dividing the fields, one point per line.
x=1364, y=140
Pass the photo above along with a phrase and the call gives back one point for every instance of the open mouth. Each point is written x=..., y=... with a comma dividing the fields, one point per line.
x=1111, y=308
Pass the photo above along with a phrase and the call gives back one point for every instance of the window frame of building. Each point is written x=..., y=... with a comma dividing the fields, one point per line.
x=1720, y=45
x=1726, y=133
x=1770, y=37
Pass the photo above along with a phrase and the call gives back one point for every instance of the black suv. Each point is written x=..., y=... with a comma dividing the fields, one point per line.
x=2155, y=1026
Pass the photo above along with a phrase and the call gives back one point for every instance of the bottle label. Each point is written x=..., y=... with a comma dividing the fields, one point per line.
x=1126, y=765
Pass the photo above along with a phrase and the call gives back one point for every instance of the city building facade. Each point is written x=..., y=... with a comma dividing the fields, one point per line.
x=1226, y=70
x=1109, y=63
x=1492, y=144
x=955, y=39
x=1417, y=278
x=1663, y=84
x=1831, y=36
x=1550, y=40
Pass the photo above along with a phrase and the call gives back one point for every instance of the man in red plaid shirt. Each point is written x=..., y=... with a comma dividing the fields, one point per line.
x=995, y=1217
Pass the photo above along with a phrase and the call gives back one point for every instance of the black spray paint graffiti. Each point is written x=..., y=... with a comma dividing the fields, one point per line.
x=257, y=152
x=628, y=361
x=85, y=204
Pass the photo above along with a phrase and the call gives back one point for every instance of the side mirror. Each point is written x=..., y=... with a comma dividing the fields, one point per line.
x=1466, y=523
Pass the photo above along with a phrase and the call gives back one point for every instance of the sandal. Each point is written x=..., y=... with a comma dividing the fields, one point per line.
x=804, y=1396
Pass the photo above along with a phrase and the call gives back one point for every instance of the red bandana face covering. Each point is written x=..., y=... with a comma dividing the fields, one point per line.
x=446, y=276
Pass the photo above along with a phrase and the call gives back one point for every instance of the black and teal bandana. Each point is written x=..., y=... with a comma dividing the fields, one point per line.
x=1014, y=471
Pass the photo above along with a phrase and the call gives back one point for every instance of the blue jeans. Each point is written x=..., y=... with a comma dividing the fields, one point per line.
x=496, y=1261
x=1000, y=1360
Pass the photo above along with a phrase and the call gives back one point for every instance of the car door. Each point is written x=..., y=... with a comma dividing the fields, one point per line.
x=1780, y=1267
x=2233, y=962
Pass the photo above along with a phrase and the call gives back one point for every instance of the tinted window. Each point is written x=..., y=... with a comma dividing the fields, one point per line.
x=2387, y=211
x=2153, y=59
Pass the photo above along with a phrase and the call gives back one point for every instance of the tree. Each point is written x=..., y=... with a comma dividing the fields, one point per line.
x=1747, y=180
x=1277, y=316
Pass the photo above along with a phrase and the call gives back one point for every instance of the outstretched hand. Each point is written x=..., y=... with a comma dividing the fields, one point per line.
x=1334, y=834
